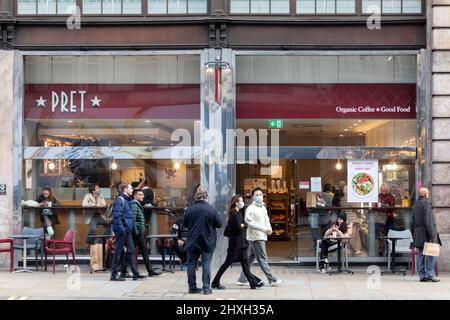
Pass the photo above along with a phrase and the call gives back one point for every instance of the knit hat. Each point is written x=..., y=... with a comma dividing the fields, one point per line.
x=342, y=215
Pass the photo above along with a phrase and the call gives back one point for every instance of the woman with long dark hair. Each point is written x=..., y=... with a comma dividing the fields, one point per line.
x=328, y=244
x=237, y=246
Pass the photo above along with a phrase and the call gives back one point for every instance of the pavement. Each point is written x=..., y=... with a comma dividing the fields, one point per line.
x=299, y=283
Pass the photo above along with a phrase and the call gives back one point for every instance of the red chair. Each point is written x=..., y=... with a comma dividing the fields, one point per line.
x=414, y=253
x=10, y=250
x=66, y=247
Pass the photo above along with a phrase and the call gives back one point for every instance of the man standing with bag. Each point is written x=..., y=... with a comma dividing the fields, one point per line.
x=424, y=229
x=123, y=225
x=201, y=220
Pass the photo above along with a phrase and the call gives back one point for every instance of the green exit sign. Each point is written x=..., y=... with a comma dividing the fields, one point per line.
x=277, y=124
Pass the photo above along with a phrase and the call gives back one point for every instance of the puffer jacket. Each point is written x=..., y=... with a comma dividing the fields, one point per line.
x=139, y=219
x=123, y=221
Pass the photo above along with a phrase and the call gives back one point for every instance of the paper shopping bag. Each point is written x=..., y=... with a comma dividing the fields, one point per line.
x=431, y=249
x=96, y=256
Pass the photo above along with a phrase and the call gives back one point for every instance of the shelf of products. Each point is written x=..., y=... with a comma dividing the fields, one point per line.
x=278, y=208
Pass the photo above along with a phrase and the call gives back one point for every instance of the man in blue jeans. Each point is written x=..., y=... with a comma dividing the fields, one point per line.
x=201, y=221
x=424, y=228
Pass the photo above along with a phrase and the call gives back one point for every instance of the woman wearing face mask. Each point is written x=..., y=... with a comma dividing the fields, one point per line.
x=237, y=246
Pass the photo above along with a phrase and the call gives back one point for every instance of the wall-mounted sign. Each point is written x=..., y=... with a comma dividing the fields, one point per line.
x=275, y=124
x=112, y=101
x=326, y=101
x=2, y=189
x=303, y=185
x=316, y=184
x=362, y=181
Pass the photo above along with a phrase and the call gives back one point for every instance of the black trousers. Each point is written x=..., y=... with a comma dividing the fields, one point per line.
x=124, y=240
x=237, y=255
x=325, y=247
x=141, y=243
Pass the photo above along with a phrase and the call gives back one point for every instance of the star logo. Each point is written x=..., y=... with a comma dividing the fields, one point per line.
x=378, y=109
x=95, y=102
x=40, y=102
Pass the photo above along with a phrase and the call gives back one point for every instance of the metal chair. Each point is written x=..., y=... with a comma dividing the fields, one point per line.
x=402, y=245
x=10, y=249
x=344, y=254
x=36, y=246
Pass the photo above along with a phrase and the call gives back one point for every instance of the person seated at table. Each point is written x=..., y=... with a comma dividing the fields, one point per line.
x=328, y=244
x=180, y=235
x=48, y=216
x=93, y=216
x=138, y=234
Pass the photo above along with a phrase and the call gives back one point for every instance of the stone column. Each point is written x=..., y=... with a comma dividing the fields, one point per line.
x=217, y=145
x=6, y=146
x=439, y=20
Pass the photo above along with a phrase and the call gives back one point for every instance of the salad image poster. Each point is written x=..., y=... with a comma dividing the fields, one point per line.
x=362, y=180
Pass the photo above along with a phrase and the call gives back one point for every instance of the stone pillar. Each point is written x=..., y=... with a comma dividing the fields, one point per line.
x=6, y=146
x=439, y=20
x=217, y=146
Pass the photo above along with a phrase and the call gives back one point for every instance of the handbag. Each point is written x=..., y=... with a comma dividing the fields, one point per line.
x=431, y=249
x=96, y=256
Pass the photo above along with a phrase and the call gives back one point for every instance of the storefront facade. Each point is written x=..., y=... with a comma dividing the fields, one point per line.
x=178, y=116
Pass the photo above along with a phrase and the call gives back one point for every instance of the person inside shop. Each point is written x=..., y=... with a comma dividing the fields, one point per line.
x=95, y=215
x=324, y=215
x=191, y=199
x=353, y=222
x=48, y=216
x=328, y=194
x=237, y=246
x=338, y=229
x=149, y=198
x=387, y=199
x=258, y=229
x=139, y=235
x=180, y=232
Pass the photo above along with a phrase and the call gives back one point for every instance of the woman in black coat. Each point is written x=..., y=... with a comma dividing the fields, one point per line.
x=237, y=246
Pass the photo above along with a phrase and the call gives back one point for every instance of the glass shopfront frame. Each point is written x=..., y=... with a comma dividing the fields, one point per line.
x=288, y=152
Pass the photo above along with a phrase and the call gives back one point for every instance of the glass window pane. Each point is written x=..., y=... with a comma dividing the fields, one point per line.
x=112, y=6
x=46, y=6
x=157, y=6
x=326, y=6
x=392, y=6
x=177, y=6
x=26, y=7
x=412, y=6
x=92, y=6
x=306, y=6
x=131, y=6
x=260, y=6
x=240, y=6
x=371, y=6
x=345, y=6
x=66, y=6
x=198, y=6
x=279, y=6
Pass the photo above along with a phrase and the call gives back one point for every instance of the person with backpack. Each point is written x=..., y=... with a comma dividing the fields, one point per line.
x=237, y=246
x=123, y=226
x=201, y=220
x=139, y=235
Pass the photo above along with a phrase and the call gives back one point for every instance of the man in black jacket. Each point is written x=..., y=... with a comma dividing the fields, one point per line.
x=201, y=220
x=179, y=232
x=424, y=228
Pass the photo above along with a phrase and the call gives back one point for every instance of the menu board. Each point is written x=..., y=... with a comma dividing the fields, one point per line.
x=362, y=179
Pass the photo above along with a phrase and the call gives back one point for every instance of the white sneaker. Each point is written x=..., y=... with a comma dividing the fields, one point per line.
x=239, y=283
x=276, y=283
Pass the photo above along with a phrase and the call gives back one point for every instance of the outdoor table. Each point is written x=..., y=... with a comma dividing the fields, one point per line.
x=340, y=269
x=393, y=270
x=24, y=238
x=163, y=254
x=104, y=238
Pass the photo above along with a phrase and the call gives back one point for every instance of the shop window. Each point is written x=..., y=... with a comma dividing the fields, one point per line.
x=111, y=6
x=106, y=119
x=177, y=6
x=260, y=6
x=325, y=6
x=45, y=7
x=392, y=6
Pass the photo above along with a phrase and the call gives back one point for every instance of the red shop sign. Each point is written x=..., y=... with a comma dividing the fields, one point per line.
x=112, y=101
x=326, y=101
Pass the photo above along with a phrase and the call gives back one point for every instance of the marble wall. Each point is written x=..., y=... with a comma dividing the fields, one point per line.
x=440, y=127
x=6, y=146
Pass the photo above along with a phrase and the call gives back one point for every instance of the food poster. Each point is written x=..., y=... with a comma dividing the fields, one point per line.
x=362, y=179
